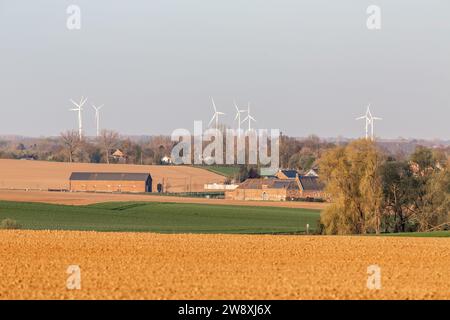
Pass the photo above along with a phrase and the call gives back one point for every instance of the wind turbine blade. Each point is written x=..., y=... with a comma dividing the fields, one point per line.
x=369, y=113
x=246, y=118
x=214, y=105
x=221, y=113
x=100, y=107
x=235, y=105
x=212, y=119
x=376, y=118
x=252, y=118
x=237, y=111
x=73, y=102
x=360, y=118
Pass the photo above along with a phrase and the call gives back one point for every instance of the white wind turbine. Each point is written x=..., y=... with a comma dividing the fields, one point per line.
x=249, y=118
x=238, y=117
x=79, y=109
x=372, y=122
x=216, y=115
x=369, y=122
x=97, y=117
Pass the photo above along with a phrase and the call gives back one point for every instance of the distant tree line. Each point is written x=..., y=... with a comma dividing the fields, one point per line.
x=302, y=154
x=373, y=192
x=68, y=147
x=295, y=153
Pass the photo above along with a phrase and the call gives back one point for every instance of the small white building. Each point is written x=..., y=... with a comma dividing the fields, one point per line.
x=312, y=173
x=166, y=160
x=220, y=186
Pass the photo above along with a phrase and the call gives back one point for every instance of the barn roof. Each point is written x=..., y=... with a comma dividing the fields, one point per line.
x=118, y=153
x=109, y=176
x=311, y=183
x=268, y=184
x=291, y=174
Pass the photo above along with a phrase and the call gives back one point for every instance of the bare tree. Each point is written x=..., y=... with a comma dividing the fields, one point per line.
x=71, y=141
x=109, y=140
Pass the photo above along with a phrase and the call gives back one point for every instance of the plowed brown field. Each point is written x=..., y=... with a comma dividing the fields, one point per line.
x=33, y=265
x=82, y=198
x=21, y=174
x=16, y=176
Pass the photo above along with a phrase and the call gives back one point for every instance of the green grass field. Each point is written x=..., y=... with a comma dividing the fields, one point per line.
x=227, y=171
x=160, y=217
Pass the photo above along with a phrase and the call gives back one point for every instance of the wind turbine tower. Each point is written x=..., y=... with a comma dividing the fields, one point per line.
x=369, y=122
x=79, y=109
x=97, y=118
x=372, y=121
x=238, y=117
x=249, y=118
x=216, y=115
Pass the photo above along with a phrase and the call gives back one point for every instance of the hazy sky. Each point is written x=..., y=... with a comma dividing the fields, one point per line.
x=305, y=66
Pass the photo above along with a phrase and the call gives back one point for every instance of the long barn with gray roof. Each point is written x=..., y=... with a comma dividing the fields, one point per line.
x=110, y=182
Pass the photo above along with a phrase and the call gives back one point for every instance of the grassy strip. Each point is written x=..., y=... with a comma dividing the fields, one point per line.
x=160, y=217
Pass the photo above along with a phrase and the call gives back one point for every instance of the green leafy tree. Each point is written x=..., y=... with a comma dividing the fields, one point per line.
x=431, y=205
x=398, y=194
x=416, y=192
x=302, y=160
x=247, y=172
x=423, y=157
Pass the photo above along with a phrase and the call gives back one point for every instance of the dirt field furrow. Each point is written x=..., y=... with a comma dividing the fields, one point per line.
x=33, y=265
x=83, y=198
x=44, y=175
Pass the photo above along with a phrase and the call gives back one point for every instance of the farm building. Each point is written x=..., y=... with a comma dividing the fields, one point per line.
x=265, y=189
x=119, y=156
x=292, y=174
x=110, y=182
x=312, y=173
x=286, y=174
x=309, y=184
x=287, y=185
x=166, y=160
x=311, y=187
